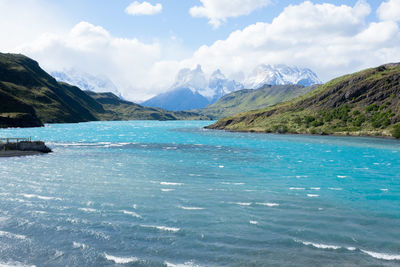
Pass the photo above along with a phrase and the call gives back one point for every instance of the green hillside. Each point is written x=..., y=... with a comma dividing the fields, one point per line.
x=363, y=103
x=118, y=109
x=30, y=97
x=247, y=99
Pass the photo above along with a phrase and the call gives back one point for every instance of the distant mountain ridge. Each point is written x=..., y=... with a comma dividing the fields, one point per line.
x=192, y=90
x=86, y=81
x=362, y=103
x=280, y=75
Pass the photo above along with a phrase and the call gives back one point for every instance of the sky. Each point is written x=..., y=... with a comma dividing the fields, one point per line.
x=142, y=45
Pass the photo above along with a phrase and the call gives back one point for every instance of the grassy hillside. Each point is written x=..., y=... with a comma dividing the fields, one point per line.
x=30, y=90
x=247, y=99
x=30, y=97
x=118, y=109
x=363, y=103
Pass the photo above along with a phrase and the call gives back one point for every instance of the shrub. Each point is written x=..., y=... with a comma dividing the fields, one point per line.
x=396, y=131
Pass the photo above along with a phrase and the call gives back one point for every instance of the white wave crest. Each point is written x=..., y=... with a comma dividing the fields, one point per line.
x=162, y=228
x=253, y=222
x=190, y=208
x=382, y=256
x=167, y=190
x=268, y=204
x=312, y=195
x=120, y=260
x=40, y=197
x=88, y=210
x=341, y=176
x=186, y=264
x=169, y=183
x=297, y=188
x=322, y=246
x=12, y=236
x=14, y=264
x=134, y=214
x=79, y=245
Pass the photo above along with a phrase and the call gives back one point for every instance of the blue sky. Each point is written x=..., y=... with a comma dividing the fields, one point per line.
x=142, y=54
x=174, y=19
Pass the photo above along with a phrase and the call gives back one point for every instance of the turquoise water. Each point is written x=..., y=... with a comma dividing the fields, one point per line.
x=150, y=193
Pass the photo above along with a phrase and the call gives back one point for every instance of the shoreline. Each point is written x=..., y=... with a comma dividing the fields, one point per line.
x=384, y=137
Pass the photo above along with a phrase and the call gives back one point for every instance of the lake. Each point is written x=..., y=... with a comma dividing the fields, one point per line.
x=149, y=193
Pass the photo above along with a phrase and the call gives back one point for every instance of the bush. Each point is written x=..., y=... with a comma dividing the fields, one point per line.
x=396, y=131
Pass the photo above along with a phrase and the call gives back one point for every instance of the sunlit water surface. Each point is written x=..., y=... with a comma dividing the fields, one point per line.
x=150, y=193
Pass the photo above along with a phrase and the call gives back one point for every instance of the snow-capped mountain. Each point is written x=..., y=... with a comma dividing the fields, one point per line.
x=192, y=90
x=280, y=75
x=85, y=81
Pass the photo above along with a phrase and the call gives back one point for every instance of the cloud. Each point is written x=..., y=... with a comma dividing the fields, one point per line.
x=331, y=40
x=94, y=50
x=144, y=8
x=217, y=11
x=389, y=10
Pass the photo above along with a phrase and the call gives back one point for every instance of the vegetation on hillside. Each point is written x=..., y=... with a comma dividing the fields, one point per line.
x=248, y=99
x=363, y=103
x=30, y=97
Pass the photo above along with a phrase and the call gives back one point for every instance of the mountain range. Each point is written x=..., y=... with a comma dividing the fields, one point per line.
x=362, y=103
x=86, y=81
x=29, y=97
x=192, y=90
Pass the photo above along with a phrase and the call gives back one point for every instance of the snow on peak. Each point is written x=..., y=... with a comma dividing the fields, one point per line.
x=193, y=79
x=213, y=88
x=85, y=81
x=280, y=75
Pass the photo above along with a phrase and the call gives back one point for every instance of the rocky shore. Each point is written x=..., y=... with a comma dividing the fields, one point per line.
x=23, y=148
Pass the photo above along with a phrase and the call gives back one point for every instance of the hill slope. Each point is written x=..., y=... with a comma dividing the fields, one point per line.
x=118, y=109
x=25, y=83
x=363, y=103
x=251, y=99
x=30, y=97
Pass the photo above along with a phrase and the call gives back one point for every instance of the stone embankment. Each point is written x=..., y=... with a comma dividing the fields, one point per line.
x=23, y=148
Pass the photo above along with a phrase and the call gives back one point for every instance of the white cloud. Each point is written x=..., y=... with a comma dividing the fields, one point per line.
x=331, y=40
x=217, y=11
x=23, y=20
x=389, y=10
x=144, y=8
x=94, y=50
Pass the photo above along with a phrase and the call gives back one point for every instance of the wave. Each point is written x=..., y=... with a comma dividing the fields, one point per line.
x=382, y=256
x=318, y=245
x=253, y=222
x=341, y=176
x=167, y=190
x=120, y=260
x=376, y=255
x=168, y=183
x=335, y=188
x=186, y=264
x=40, y=197
x=88, y=210
x=190, y=208
x=12, y=236
x=134, y=214
x=79, y=245
x=315, y=188
x=232, y=183
x=162, y=228
x=242, y=203
x=268, y=204
x=297, y=188
x=14, y=264
x=312, y=195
